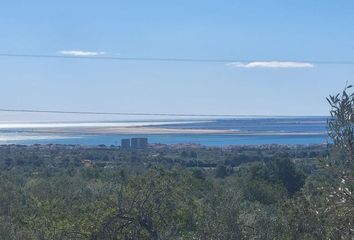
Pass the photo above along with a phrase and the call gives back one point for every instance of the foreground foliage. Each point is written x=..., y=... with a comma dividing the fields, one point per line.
x=268, y=192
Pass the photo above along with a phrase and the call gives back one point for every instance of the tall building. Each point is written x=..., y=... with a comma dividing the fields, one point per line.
x=139, y=143
x=125, y=144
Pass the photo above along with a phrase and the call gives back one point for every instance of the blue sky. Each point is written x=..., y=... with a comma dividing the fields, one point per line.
x=261, y=30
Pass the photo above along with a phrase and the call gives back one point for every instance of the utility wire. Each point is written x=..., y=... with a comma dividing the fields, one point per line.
x=153, y=59
x=127, y=113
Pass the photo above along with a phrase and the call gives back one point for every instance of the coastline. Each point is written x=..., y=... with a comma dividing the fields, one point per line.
x=148, y=130
x=133, y=130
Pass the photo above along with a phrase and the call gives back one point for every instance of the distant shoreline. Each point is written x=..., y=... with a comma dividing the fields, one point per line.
x=170, y=131
x=133, y=130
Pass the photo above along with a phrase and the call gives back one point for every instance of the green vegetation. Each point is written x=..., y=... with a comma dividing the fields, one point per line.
x=182, y=192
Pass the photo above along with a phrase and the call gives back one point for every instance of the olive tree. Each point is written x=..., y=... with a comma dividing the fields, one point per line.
x=341, y=130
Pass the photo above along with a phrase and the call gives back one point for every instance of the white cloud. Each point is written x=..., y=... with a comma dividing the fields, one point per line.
x=271, y=64
x=80, y=53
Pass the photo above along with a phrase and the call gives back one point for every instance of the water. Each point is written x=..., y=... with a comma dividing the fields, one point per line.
x=305, y=125
x=251, y=131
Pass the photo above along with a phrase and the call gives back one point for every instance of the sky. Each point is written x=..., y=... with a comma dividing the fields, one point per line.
x=274, y=42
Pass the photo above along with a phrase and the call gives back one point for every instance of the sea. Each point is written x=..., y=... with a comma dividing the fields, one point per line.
x=247, y=131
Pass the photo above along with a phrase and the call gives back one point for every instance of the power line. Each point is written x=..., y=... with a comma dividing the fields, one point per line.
x=154, y=59
x=127, y=113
